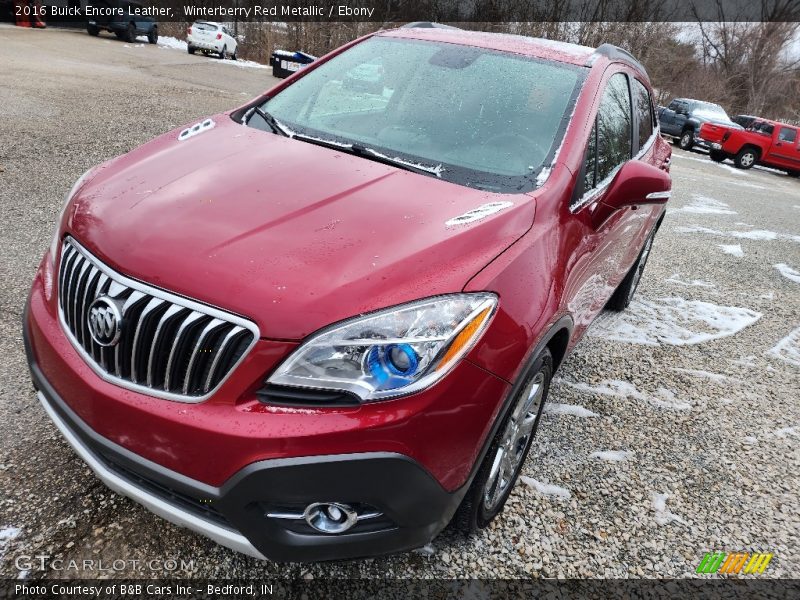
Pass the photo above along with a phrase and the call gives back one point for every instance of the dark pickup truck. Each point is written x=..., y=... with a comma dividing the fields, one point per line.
x=124, y=18
x=683, y=118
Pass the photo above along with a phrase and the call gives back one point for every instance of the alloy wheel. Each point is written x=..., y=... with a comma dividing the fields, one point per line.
x=511, y=451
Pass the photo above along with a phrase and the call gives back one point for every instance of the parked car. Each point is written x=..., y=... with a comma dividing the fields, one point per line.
x=210, y=37
x=323, y=325
x=682, y=119
x=765, y=142
x=127, y=25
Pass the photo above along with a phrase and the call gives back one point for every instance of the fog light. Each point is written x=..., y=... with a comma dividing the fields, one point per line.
x=330, y=517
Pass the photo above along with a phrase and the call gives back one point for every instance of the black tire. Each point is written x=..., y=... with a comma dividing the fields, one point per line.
x=686, y=140
x=235, y=55
x=473, y=513
x=717, y=155
x=191, y=49
x=624, y=293
x=746, y=158
x=152, y=37
x=92, y=30
x=223, y=52
x=130, y=33
x=793, y=173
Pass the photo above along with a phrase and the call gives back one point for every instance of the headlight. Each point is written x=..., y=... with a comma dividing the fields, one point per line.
x=75, y=187
x=392, y=352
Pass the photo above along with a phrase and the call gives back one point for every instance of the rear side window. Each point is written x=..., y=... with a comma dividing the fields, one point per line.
x=614, y=133
x=644, y=112
x=787, y=134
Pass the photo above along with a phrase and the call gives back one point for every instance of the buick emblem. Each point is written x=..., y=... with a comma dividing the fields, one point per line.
x=105, y=321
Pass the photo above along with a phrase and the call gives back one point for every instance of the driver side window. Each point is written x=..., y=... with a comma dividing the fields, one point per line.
x=610, y=143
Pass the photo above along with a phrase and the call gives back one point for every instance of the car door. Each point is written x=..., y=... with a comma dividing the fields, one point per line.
x=667, y=118
x=604, y=253
x=681, y=116
x=784, y=151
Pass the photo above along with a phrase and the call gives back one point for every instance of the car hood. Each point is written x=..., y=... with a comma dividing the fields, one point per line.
x=722, y=122
x=291, y=235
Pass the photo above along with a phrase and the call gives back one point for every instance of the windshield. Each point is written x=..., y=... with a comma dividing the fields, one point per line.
x=480, y=118
x=710, y=111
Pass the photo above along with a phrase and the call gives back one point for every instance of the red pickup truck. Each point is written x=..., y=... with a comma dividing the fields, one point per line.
x=764, y=142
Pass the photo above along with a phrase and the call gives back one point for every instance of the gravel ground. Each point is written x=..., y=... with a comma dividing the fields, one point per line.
x=672, y=431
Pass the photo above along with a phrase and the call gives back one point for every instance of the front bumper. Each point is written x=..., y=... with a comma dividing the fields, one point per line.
x=222, y=466
x=413, y=506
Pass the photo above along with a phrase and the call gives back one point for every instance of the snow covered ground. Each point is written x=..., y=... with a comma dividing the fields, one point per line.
x=171, y=43
x=675, y=321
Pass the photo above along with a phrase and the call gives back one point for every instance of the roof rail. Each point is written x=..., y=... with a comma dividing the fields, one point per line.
x=613, y=52
x=427, y=25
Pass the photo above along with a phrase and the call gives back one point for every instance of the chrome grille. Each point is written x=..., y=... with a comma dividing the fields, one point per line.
x=170, y=347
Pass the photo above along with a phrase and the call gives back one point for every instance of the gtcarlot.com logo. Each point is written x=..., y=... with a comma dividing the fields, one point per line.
x=43, y=562
x=734, y=563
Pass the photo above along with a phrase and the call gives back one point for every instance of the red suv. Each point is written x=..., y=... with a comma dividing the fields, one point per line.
x=321, y=325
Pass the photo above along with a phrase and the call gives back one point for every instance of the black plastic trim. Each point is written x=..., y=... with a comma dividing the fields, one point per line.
x=281, y=395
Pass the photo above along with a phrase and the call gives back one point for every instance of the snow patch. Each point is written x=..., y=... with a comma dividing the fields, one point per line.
x=476, y=214
x=732, y=249
x=692, y=283
x=788, y=272
x=426, y=550
x=612, y=455
x=663, y=514
x=706, y=206
x=793, y=431
x=704, y=374
x=171, y=43
x=7, y=534
x=663, y=398
x=674, y=321
x=788, y=348
x=545, y=489
x=554, y=408
x=756, y=234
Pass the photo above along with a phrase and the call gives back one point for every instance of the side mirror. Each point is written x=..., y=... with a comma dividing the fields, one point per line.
x=635, y=184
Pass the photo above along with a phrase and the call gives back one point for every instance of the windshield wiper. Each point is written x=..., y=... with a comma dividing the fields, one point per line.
x=370, y=154
x=271, y=121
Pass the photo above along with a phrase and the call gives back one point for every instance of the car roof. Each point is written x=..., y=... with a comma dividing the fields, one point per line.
x=518, y=44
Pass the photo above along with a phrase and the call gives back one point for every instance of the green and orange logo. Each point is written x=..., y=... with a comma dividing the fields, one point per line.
x=734, y=563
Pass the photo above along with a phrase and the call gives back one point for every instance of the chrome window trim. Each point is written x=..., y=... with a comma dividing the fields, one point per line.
x=155, y=292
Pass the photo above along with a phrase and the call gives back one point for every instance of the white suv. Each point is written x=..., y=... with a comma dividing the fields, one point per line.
x=209, y=37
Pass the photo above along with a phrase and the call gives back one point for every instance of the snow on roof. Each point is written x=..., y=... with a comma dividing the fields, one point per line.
x=519, y=44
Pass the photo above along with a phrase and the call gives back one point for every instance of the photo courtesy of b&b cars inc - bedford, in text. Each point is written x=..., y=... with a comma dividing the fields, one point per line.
x=399, y=299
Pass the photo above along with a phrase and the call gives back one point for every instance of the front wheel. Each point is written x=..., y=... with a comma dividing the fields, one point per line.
x=223, y=52
x=623, y=295
x=501, y=466
x=190, y=49
x=130, y=33
x=152, y=37
x=746, y=158
x=235, y=55
x=687, y=140
x=92, y=30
